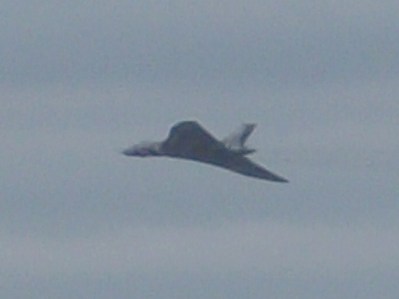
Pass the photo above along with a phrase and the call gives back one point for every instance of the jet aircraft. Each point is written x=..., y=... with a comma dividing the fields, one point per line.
x=189, y=140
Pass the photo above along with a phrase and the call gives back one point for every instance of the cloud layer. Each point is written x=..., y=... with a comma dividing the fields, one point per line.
x=81, y=81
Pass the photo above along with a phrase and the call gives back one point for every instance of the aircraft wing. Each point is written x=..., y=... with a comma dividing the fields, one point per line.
x=245, y=166
x=189, y=140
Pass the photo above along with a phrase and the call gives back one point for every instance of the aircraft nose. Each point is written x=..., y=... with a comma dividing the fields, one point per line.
x=130, y=151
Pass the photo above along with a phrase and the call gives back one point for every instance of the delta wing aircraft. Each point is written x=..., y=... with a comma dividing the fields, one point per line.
x=188, y=140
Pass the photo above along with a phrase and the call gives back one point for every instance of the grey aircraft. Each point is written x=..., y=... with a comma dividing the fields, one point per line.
x=188, y=140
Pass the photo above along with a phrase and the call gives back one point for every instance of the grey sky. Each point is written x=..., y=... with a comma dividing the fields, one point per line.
x=82, y=80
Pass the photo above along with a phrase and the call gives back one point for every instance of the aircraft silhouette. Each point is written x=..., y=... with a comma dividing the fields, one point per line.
x=188, y=140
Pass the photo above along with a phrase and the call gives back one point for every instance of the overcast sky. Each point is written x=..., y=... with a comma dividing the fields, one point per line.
x=81, y=80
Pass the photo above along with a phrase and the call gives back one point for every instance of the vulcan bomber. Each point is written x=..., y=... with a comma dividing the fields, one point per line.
x=189, y=140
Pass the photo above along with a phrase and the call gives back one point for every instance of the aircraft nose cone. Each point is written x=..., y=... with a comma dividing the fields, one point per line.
x=130, y=151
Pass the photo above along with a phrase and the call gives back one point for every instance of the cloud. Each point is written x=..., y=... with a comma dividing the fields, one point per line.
x=193, y=42
x=267, y=247
x=81, y=80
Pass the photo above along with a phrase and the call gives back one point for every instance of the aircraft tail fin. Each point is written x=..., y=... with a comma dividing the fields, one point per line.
x=236, y=141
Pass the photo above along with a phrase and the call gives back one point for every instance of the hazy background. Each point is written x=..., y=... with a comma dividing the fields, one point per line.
x=81, y=80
